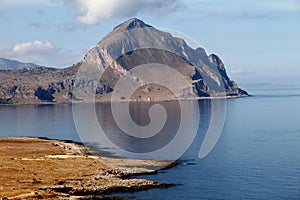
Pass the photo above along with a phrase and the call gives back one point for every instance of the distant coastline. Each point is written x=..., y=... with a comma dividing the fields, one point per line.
x=9, y=102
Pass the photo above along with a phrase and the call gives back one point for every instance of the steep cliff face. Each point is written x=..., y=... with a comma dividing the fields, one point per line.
x=230, y=86
x=130, y=44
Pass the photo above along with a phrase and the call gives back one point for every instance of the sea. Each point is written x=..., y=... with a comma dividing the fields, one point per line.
x=256, y=155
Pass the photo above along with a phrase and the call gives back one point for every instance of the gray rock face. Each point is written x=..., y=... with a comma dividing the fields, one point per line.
x=135, y=43
x=130, y=44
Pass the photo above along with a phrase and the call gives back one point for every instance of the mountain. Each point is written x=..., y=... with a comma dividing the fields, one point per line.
x=116, y=57
x=13, y=64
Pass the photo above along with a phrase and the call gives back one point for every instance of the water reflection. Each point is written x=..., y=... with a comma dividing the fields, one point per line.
x=52, y=121
x=140, y=115
x=169, y=143
x=57, y=122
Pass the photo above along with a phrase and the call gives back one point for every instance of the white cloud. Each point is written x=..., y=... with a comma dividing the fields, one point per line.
x=39, y=52
x=36, y=47
x=95, y=11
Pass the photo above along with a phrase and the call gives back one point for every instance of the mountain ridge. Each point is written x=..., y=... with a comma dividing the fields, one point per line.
x=14, y=64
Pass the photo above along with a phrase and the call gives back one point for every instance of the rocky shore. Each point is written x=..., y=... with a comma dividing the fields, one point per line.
x=34, y=168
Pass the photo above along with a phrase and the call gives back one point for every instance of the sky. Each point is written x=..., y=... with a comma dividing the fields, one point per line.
x=258, y=40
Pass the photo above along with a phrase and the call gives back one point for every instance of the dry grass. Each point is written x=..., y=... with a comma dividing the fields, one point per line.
x=33, y=168
x=25, y=167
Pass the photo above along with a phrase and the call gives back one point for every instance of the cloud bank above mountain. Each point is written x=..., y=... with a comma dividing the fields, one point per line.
x=94, y=11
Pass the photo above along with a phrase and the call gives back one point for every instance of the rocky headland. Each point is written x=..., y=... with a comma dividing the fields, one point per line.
x=206, y=74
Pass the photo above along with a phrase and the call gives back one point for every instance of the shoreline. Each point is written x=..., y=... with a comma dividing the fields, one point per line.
x=126, y=101
x=45, y=168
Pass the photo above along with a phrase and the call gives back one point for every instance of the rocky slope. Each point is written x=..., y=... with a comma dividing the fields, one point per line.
x=36, y=85
x=130, y=44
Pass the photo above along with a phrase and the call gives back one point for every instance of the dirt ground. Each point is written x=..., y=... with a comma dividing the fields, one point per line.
x=32, y=168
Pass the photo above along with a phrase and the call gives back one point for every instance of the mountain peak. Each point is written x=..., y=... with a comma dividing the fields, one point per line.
x=130, y=24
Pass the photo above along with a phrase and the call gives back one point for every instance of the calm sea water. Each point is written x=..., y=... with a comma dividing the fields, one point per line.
x=256, y=157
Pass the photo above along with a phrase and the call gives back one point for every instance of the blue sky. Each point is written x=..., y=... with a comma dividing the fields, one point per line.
x=258, y=40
